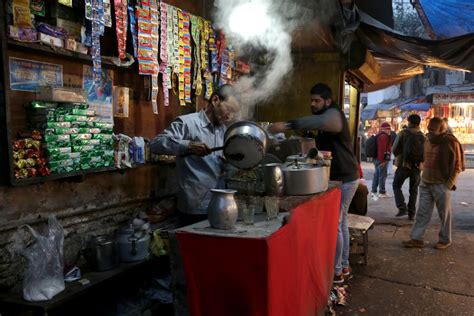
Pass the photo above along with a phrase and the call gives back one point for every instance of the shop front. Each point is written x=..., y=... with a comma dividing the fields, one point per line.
x=458, y=108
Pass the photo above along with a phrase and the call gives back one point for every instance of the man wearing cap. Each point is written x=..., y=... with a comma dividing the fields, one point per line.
x=384, y=152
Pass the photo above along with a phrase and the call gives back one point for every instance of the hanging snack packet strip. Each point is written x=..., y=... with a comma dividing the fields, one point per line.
x=164, y=51
x=187, y=57
x=182, y=102
x=196, y=35
x=121, y=26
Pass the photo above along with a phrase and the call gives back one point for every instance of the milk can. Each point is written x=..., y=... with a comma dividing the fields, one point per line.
x=222, y=209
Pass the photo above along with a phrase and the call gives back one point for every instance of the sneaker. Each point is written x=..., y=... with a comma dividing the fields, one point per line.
x=411, y=216
x=346, y=270
x=442, y=245
x=401, y=212
x=384, y=195
x=338, y=279
x=413, y=243
x=374, y=196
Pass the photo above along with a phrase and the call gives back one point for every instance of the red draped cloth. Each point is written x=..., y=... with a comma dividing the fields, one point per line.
x=287, y=273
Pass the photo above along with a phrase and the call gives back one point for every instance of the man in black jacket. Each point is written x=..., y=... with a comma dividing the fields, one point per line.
x=403, y=148
x=333, y=135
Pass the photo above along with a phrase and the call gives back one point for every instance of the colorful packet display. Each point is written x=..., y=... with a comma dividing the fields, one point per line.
x=28, y=159
x=67, y=138
x=22, y=14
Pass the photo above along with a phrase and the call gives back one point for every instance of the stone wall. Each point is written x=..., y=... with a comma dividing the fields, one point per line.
x=99, y=204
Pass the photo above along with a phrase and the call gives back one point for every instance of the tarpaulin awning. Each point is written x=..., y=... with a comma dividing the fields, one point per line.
x=418, y=104
x=447, y=18
x=453, y=53
x=370, y=111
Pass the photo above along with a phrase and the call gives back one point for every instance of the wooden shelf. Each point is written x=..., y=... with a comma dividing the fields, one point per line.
x=25, y=46
x=52, y=177
x=36, y=180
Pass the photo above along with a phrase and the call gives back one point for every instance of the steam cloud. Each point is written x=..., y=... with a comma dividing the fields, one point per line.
x=273, y=46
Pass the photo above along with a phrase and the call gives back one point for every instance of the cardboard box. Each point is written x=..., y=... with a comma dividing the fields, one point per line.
x=61, y=94
x=51, y=40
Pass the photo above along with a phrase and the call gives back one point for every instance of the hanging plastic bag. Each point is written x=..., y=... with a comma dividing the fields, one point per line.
x=43, y=277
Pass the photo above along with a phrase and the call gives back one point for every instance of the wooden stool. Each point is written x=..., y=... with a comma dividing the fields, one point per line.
x=358, y=227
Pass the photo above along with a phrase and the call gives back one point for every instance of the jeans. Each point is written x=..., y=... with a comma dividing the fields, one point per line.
x=342, y=246
x=380, y=176
x=431, y=194
x=401, y=175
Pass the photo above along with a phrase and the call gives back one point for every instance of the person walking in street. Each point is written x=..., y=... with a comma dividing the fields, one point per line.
x=333, y=135
x=443, y=161
x=384, y=152
x=408, y=149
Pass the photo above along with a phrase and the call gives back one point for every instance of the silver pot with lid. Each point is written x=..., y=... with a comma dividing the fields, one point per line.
x=303, y=178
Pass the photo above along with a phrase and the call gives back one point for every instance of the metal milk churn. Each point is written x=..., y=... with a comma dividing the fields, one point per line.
x=222, y=209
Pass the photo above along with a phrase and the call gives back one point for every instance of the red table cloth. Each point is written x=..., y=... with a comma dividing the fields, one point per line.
x=286, y=273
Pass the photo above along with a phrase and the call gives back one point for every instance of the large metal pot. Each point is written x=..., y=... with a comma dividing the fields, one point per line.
x=245, y=144
x=303, y=179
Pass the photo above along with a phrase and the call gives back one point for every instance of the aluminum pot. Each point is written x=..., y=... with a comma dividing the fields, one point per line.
x=101, y=253
x=133, y=243
x=303, y=179
x=245, y=144
x=222, y=210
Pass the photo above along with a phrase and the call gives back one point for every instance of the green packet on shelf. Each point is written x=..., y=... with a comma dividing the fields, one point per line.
x=41, y=105
x=82, y=124
x=87, y=130
x=81, y=136
x=106, y=125
x=64, y=156
x=73, y=105
x=61, y=131
x=59, y=150
x=83, y=149
x=75, y=118
x=82, y=112
x=58, y=124
x=59, y=144
x=85, y=142
x=56, y=138
x=102, y=136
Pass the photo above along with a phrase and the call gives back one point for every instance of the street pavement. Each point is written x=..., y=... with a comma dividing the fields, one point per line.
x=400, y=281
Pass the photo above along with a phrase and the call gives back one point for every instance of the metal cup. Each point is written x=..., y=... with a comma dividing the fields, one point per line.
x=273, y=179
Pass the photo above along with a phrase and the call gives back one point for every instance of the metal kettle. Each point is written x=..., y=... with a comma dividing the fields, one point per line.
x=134, y=241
